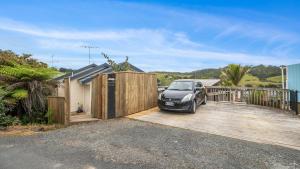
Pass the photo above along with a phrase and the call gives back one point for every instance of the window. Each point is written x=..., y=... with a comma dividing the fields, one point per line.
x=181, y=85
x=198, y=84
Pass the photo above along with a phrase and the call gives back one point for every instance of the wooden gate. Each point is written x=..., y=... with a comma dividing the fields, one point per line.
x=59, y=107
x=99, y=97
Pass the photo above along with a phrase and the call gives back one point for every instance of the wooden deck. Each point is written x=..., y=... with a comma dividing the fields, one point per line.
x=82, y=118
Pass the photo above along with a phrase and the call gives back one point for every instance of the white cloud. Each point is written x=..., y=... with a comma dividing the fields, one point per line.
x=154, y=49
x=11, y=25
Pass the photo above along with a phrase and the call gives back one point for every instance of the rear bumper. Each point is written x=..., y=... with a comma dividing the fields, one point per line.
x=178, y=106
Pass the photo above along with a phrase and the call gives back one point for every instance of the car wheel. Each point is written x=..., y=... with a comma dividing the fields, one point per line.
x=205, y=100
x=194, y=107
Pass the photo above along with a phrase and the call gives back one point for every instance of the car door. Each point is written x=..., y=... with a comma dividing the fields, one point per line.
x=198, y=92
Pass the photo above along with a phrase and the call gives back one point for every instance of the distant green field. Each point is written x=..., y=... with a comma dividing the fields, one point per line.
x=249, y=80
x=258, y=76
x=275, y=79
x=253, y=81
x=165, y=78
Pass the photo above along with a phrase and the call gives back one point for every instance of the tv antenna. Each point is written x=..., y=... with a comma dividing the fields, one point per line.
x=53, y=61
x=90, y=47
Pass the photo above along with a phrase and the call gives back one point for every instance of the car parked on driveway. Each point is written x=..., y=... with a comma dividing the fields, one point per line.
x=183, y=95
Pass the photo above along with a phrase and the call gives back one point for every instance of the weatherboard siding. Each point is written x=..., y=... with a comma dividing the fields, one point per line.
x=293, y=75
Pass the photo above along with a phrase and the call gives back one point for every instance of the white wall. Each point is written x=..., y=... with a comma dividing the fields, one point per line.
x=87, y=99
x=60, y=90
x=79, y=95
x=76, y=95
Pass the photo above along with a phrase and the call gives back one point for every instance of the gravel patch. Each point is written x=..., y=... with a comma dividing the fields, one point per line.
x=124, y=143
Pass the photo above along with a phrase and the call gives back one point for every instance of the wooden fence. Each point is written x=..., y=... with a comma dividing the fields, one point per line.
x=123, y=93
x=56, y=108
x=276, y=98
x=99, y=97
x=60, y=106
x=135, y=92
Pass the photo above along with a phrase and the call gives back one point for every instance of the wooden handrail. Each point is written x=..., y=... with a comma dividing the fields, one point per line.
x=270, y=97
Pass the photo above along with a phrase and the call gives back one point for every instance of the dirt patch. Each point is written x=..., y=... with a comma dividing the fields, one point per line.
x=26, y=130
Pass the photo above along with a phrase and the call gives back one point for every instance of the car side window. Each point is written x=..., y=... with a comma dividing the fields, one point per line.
x=198, y=84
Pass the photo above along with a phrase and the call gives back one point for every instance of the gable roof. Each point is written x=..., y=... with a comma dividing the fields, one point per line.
x=209, y=82
x=87, y=73
x=87, y=79
x=132, y=67
x=83, y=69
x=90, y=71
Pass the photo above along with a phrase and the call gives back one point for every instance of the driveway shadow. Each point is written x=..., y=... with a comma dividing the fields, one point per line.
x=174, y=112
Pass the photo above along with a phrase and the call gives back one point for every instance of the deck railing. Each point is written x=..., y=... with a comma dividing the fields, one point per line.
x=277, y=98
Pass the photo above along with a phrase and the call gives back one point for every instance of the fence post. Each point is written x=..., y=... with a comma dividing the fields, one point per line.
x=67, y=101
x=296, y=102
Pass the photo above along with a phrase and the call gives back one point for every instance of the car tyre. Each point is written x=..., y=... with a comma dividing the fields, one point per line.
x=194, y=107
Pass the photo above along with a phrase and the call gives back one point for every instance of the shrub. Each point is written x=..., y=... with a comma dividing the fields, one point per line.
x=36, y=117
x=49, y=116
x=248, y=85
x=5, y=120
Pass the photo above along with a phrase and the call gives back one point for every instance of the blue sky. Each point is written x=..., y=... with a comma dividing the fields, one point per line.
x=156, y=35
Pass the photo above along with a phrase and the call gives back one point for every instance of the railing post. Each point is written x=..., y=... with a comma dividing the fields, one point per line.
x=296, y=102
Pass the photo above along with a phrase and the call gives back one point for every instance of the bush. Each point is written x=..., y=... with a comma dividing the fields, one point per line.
x=5, y=120
x=49, y=116
x=36, y=117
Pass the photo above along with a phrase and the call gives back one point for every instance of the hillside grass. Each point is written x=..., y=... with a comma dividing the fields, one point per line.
x=275, y=79
x=249, y=80
x=253, y=81
x=165, y=79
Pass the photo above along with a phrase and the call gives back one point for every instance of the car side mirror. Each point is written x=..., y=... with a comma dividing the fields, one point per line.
x=197, y=88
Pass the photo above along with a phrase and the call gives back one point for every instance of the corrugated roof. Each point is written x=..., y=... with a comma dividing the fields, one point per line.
x=209, y=82
x=83, y=69
x=90, y=71
x=132, y=67
x=205, y=82
x=87, y=79
x=87, y=73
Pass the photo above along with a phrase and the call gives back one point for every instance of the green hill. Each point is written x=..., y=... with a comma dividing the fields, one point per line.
x=262, y=71
x=258, y=76
x=206, y=74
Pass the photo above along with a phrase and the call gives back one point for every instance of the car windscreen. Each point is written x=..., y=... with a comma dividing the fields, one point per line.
x=181, y=85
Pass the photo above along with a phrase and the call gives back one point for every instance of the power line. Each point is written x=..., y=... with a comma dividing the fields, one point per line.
x=90, y=47
x=52, y=60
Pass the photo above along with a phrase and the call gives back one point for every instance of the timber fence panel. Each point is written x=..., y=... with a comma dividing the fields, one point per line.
x=135, y=92
x=56, y=107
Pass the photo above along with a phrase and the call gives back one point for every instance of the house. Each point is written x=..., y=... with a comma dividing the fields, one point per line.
x=81, y=85
x=210, y=82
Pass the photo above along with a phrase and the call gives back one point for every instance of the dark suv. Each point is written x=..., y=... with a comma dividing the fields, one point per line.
x=183, y=95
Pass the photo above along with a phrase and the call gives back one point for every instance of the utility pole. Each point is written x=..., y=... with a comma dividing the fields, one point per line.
x=52, y=60
x=89, y=47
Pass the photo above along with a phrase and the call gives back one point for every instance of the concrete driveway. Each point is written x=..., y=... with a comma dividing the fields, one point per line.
x=245, y=122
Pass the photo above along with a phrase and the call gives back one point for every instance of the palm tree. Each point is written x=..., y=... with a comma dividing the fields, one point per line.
x=233, y=74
